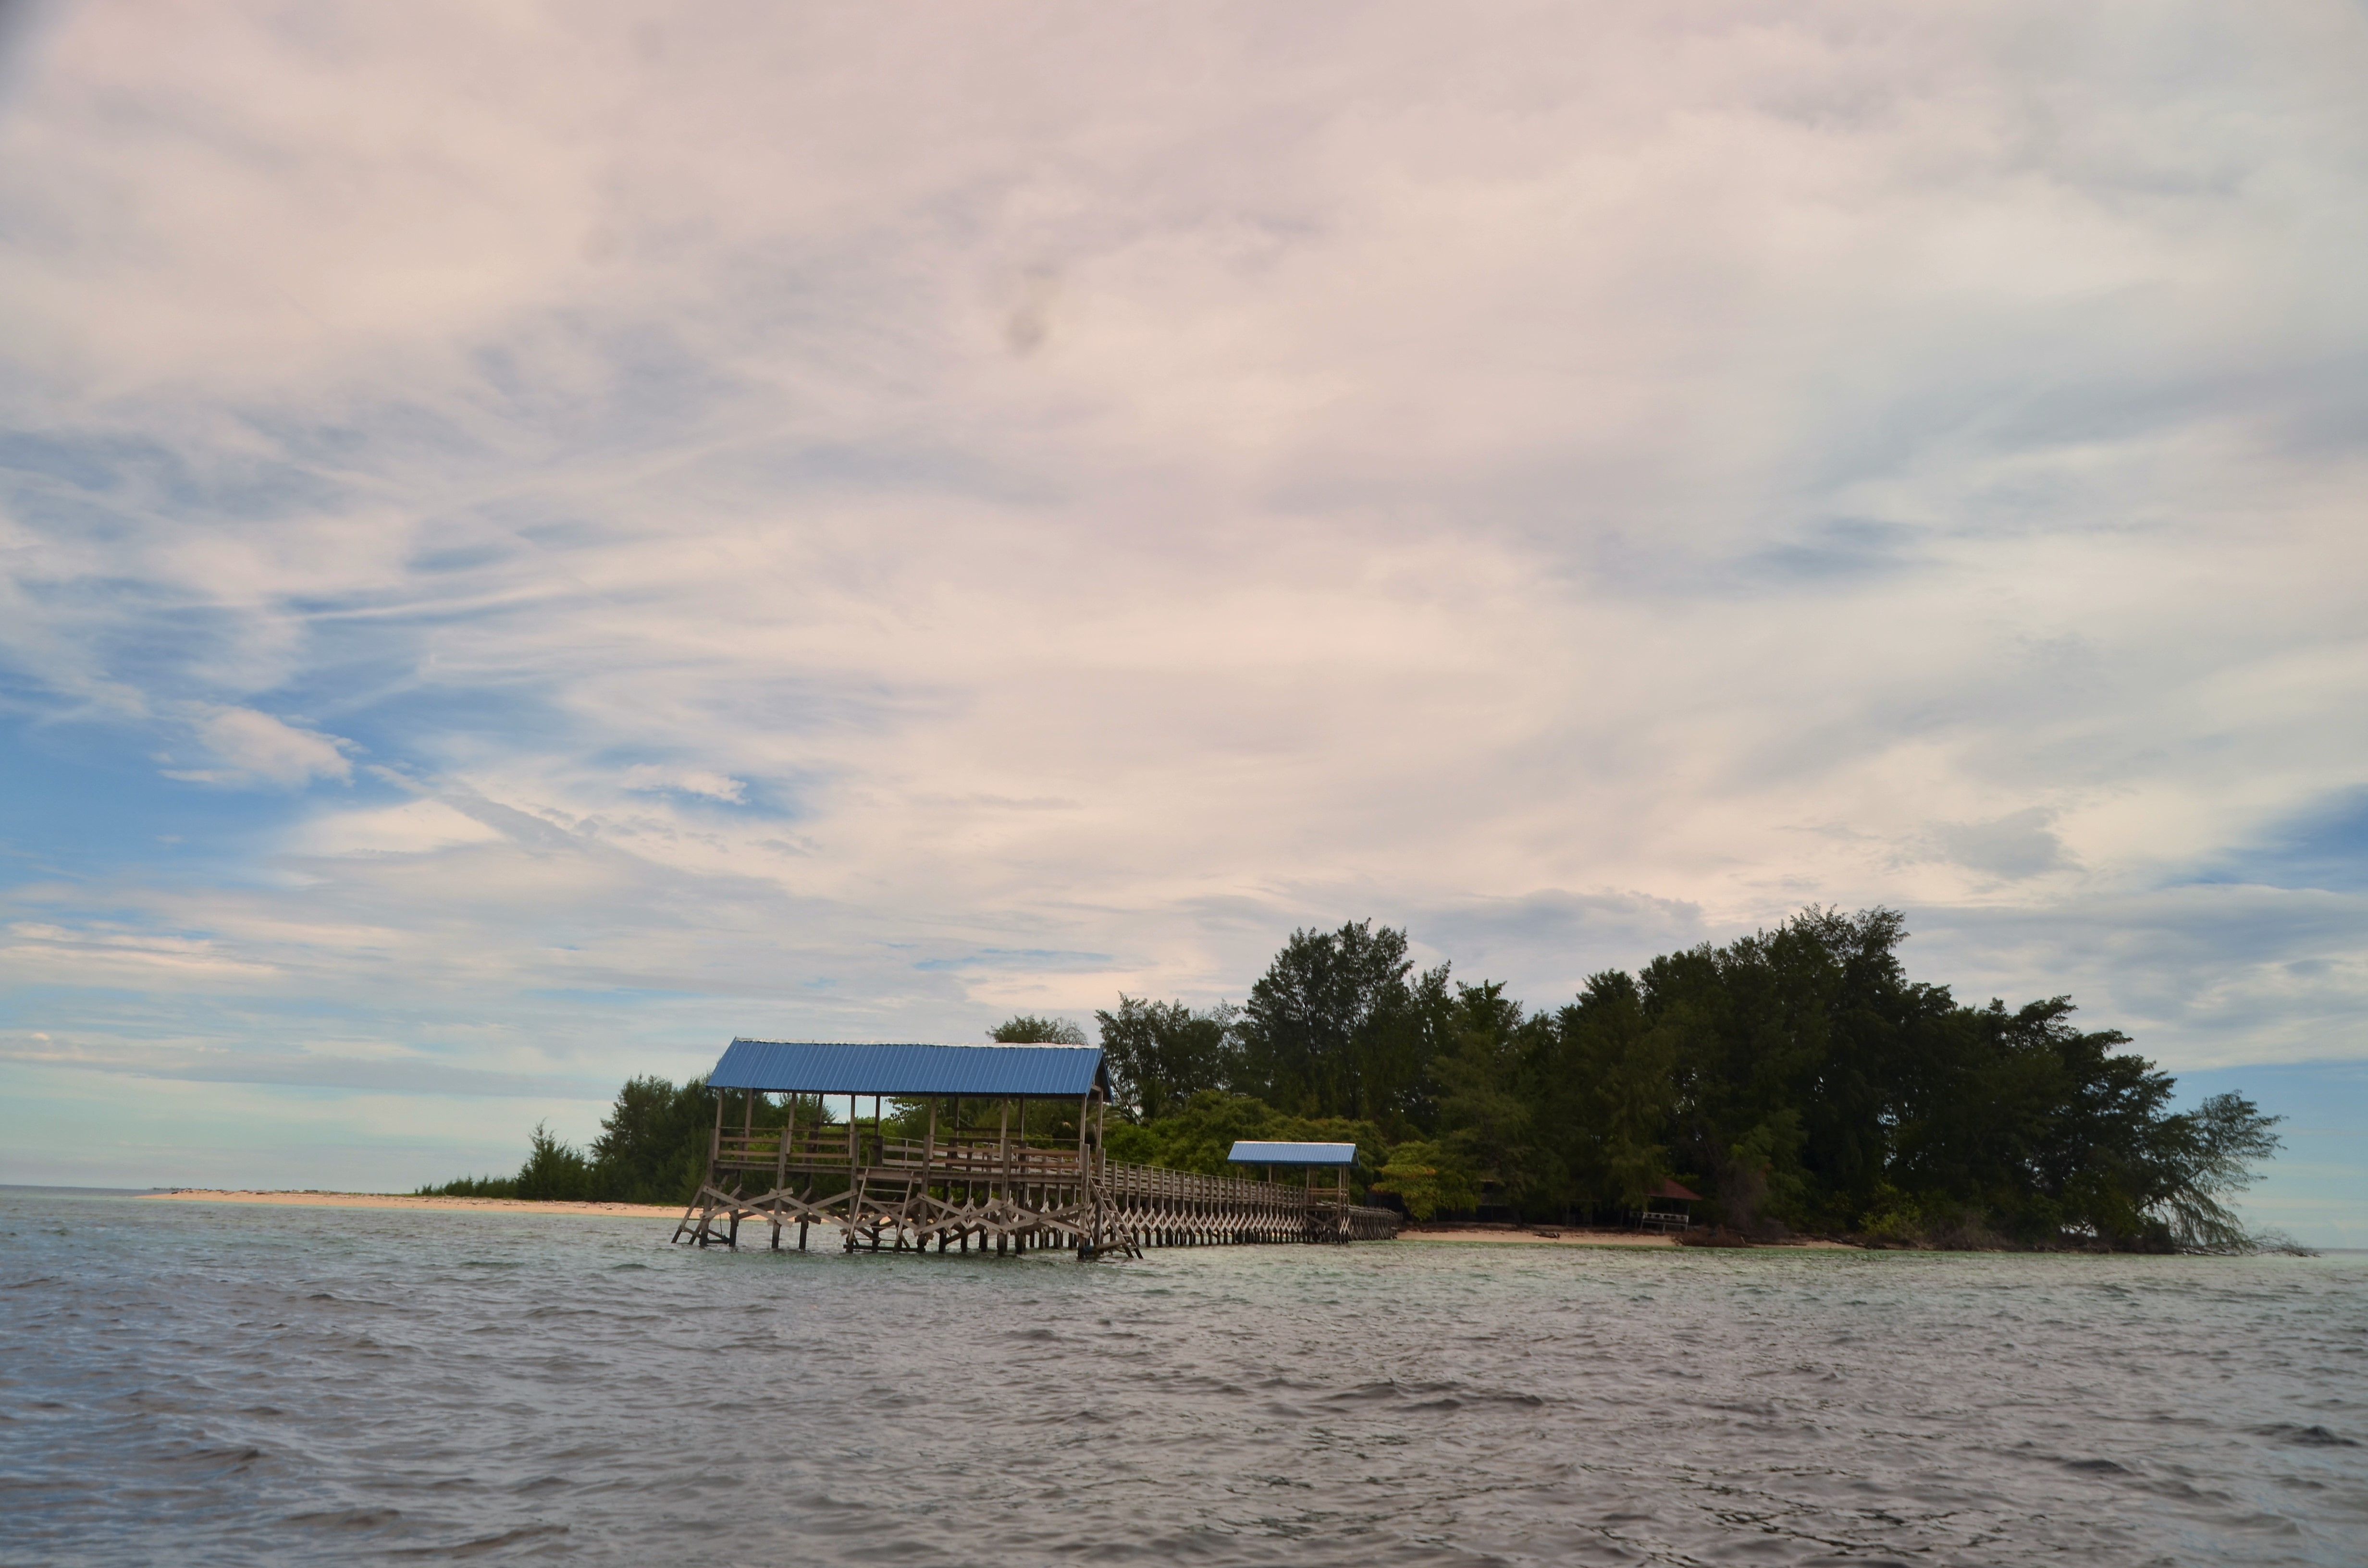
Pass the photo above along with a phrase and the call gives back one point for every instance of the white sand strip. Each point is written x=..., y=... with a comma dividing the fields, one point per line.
x=406, y=1200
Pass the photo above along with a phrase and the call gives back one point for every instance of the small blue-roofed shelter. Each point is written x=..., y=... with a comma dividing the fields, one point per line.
x=1248, y=1151
x=1310, y=1157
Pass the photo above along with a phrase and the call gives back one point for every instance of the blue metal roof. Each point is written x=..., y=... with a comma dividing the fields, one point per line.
x=1248, y=1153
x=809, y=1067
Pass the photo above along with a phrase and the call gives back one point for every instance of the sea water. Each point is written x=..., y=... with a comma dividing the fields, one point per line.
x=209, y=1384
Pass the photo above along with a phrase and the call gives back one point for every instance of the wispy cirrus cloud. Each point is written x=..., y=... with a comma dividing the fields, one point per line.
x=651, y=777
x=626, y=530
x=251, y=748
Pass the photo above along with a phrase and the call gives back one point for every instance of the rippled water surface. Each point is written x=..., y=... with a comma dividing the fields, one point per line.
x=194, y=1383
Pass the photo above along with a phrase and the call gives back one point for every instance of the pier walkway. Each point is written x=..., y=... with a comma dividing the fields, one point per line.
x=947, y=1156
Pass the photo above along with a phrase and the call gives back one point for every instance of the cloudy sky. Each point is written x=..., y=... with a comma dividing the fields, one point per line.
x=536, y=539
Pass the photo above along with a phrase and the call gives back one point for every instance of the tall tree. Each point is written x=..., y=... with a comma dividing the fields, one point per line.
x=653, y=1143
x=1162, y=1053
x=2202, y=1154
x=1486, y=1110
x=1605, y=1089
x=1331, y=1027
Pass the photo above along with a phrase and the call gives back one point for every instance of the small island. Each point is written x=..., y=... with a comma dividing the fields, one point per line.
x=1796, y=1084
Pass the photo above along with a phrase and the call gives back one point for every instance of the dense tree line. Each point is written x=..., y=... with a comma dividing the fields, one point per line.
x=1797, y=1078
x=651, y=1149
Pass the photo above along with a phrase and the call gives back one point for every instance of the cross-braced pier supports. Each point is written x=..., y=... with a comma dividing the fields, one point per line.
x=955, y=1186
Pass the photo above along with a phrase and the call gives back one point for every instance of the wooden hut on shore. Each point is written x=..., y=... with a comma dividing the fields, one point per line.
x=1665, y=1207
x=949, y=1154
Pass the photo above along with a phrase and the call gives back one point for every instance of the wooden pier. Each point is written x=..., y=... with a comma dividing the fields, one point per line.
x=958, y=1165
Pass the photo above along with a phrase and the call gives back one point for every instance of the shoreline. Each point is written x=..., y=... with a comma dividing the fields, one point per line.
x=311, y=1198
x=1509, y=1237
x=308, y=1198
x=1577, y=1236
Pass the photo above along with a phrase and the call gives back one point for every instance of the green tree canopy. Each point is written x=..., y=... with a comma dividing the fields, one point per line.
x=1027, y=1028
x=1162, y=1053
x=1336, y=1026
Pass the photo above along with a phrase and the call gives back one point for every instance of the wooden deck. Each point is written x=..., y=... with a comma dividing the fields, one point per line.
x=881, y=1190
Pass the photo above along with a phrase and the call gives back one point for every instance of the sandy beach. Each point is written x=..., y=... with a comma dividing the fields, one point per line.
x=1534, y=1238
x=1579, y=1238
x=406, y=1200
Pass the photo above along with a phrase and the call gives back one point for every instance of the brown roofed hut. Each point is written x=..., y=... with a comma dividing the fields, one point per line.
x=1665, y=1207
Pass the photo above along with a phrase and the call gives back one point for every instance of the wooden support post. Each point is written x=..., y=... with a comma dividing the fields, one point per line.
x=920, y=1199
x=782, y=1162
x=789, y=1126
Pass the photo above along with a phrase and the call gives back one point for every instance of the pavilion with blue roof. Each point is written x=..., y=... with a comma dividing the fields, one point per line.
x=994, y=1072
x=1308, y=1158
x=948, y=1154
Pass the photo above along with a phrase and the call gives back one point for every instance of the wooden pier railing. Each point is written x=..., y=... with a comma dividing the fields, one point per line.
x=883, y=1189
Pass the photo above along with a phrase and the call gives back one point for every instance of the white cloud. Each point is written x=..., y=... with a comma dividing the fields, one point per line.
x=38, y=953
x=688, y=780
x=257, y=748
x=417, y=827
x=1579, y=480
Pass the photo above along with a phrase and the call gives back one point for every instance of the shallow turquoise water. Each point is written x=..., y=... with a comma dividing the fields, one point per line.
x=195, y=1383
